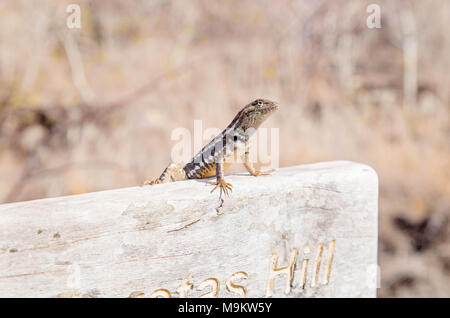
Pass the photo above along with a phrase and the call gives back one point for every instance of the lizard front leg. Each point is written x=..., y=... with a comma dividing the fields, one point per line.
x=249, y=164
x=220, y=181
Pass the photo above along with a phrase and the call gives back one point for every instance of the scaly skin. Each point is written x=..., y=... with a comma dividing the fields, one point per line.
x=220, y=151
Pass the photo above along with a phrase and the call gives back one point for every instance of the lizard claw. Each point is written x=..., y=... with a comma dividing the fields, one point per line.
x=260, y=173
x=224, y=186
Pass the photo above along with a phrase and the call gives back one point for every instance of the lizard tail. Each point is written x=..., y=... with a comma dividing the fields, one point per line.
x=159, y=180
x=174, y=172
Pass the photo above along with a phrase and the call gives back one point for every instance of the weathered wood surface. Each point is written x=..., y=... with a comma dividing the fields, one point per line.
x=134, y=241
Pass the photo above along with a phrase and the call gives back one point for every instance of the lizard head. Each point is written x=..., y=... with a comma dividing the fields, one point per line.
x=252, y=115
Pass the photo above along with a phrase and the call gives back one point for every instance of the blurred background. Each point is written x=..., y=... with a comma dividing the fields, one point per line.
x=93, y=108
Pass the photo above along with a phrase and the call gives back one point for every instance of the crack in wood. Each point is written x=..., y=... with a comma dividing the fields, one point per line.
x=184, y=227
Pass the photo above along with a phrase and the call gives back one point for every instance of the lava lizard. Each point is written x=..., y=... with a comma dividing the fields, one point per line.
x=221, y=151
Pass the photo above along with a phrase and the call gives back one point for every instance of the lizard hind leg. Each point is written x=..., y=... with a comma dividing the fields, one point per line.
x=151, y=182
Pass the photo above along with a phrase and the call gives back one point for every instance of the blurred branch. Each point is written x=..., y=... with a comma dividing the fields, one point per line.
x=38, y=48
x=77, y=68
x=31, y=172
x=95, y=112
x=27, y=172
x=89, y=113
x=409, y=41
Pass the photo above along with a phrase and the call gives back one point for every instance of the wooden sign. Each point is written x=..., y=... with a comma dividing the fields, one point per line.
x=305, y=231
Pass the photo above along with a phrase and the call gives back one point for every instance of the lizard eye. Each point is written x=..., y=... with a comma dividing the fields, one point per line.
x=260, y=103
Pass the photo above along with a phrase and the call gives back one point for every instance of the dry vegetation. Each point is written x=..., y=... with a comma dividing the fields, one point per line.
x=92, y=109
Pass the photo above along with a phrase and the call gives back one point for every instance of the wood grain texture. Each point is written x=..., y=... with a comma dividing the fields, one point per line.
x=134, y=241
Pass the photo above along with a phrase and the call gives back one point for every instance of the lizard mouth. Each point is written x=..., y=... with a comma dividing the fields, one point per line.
x=270, y=108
